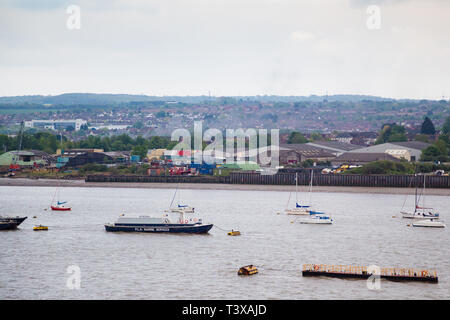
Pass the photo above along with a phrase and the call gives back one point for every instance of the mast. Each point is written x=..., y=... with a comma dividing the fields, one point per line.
x=310, y=186
x=174, y=195
x=296, y=188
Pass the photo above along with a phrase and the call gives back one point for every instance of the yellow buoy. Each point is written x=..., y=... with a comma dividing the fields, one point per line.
x=247, y=270
x=40, y=228
x=234, y=233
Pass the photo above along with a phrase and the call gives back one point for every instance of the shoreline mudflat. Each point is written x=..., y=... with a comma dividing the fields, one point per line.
x=209, y=186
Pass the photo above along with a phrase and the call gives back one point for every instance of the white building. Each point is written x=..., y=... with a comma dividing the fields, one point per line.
x=414, y=148
x=399, y=153
x=56, y=124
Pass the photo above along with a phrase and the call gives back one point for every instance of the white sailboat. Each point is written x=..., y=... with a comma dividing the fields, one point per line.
x=298, y=209
x=306, y=210
x=180, y=208
x=420, y=212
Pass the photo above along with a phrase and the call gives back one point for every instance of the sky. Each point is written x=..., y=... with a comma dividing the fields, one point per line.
x=227, y=47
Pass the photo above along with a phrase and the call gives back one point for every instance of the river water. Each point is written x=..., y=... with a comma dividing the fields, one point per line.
x=34, y=265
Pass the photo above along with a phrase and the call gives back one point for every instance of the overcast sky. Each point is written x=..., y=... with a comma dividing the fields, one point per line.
x=227, y=47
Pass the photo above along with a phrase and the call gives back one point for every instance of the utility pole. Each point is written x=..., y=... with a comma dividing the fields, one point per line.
x=22, y=124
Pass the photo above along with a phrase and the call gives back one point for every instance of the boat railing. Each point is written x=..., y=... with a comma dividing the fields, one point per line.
x=363, y=270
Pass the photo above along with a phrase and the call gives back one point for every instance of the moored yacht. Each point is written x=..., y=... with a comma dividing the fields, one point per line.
x=420, y=212
x=182, y=208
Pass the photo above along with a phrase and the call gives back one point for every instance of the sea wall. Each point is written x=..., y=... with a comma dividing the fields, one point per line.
x=399, y=181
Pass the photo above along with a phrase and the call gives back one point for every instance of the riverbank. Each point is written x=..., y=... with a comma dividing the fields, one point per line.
x=210, y=186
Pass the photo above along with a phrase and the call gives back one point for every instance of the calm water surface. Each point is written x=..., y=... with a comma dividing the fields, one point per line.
x=164, y=266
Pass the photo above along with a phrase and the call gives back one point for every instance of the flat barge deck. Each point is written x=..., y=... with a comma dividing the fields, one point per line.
x=361, y=272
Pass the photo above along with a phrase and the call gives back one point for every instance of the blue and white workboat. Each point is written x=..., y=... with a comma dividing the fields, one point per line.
x=158, y=225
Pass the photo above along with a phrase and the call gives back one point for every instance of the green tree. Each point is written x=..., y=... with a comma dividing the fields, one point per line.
x=438, y=151
x=427, y=127
x=296, y=137
x=315, y=136
x=391, y=133
x=140, y=150
x=446, y=126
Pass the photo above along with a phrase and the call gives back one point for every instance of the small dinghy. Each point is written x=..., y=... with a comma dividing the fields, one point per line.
x=429, y=223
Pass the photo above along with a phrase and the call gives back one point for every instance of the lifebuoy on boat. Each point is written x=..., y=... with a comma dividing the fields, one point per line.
x=186, y=221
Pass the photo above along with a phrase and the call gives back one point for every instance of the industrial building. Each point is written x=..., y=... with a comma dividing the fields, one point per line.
x=56, y=124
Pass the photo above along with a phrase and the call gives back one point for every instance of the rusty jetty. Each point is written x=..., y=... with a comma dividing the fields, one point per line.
x=361, y=272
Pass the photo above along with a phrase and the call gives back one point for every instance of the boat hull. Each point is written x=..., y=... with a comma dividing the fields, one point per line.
x=16, y=220
x=60, y=209
x=8, y=226
x=317, y=222
x=429, y=224
x=294, y=212
x=170, y=228
x=408, y=215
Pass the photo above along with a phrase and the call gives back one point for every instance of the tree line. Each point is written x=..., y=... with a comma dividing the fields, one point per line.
x=49, y=143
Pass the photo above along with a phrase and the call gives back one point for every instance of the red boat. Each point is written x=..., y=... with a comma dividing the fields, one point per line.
x=61, y=208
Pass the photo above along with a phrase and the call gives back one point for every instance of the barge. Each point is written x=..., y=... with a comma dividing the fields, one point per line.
x=361, y=272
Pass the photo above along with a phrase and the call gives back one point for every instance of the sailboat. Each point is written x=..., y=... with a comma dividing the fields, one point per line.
x=59, y=206
x=298, y=209
x=180, y=208
x=420, y=212
x=302, y=209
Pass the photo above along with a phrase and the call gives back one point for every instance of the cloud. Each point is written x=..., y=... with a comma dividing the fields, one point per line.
x=226, y=46
x=359, y=3
x=40, y=5
x=302, y=36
